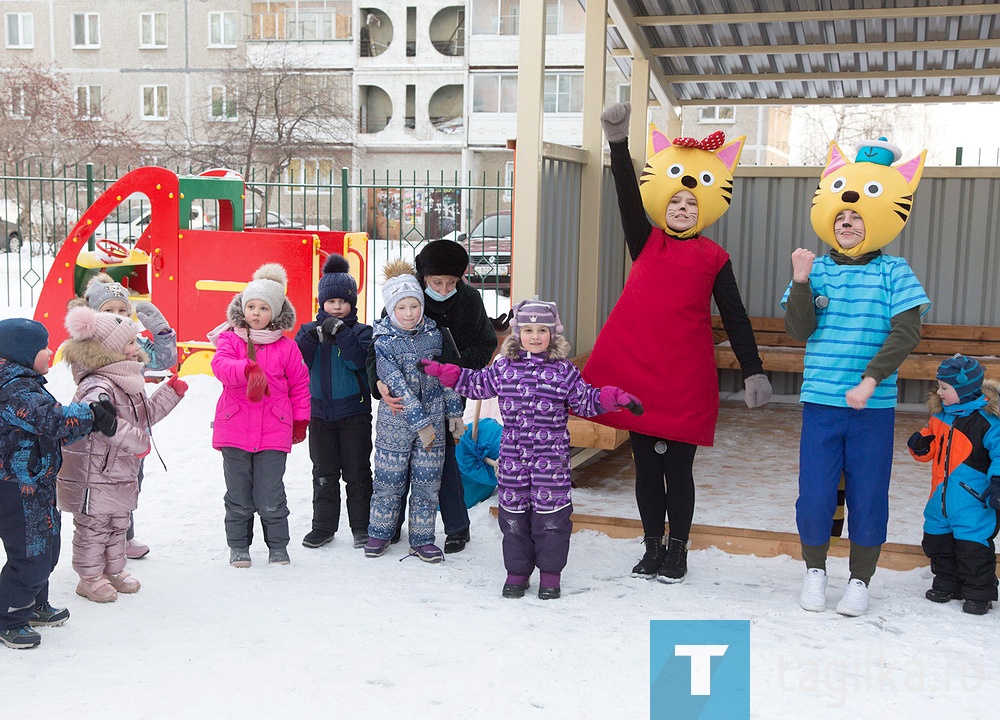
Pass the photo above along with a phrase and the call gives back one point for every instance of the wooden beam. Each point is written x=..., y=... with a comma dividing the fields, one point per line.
x=768, y=76
x=639, y=48
x=744, y=541
x=990, y=8
x=832, y=48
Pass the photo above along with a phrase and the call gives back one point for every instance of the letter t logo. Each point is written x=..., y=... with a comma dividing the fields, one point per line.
x=701, y=664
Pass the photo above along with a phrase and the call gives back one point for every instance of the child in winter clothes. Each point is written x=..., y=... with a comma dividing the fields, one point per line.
x=410, y=445
x=263, y=411
x=33, y=428
x=962, y=440
x=98, y=481
x=537, y=386
x=340, y=430
x=103, y=294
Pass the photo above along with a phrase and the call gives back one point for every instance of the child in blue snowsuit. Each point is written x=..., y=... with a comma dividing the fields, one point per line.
x=33, y=429
x=409, y=445
x=962, y=440
x=334, y=348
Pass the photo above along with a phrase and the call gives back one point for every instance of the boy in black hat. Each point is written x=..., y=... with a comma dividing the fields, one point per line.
x=962, y=440
x=334, y=348
x=33, y=429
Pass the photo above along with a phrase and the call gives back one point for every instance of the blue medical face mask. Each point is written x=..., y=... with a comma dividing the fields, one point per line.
x=433, y=295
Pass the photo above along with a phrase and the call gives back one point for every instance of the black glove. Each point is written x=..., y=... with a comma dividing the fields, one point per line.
x=327, y=330
x=105, y=419
x=920, y=444
x=993, y=493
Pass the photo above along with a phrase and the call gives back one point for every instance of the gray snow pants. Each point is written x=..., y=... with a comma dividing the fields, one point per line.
x=254, y=483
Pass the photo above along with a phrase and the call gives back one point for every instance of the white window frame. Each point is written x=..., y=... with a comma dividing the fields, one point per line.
x=218, y=22
x=159, y=113
x=91, y=39
x=24, y=26
x=501, y=77
x=713, y=114
x=559, y=95
x=508, y=179
x=151, y=26
x=228, y=100
x=624, y=92
x=18, y=102
x=304, y=168
x=85, y=95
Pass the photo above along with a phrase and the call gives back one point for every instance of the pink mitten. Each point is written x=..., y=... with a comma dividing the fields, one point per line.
x=614, y=398
x=256, y=382
x=448, y=374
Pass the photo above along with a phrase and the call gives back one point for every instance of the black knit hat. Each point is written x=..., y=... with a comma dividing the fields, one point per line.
x=337, y=281
x=442, y=257
x=21, y=340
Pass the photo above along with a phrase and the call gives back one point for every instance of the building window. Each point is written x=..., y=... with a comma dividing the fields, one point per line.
x=494, y=93
x=624, y=93
x=496, y=17
x=565, y=17
x=153, y=30
x=563, y=93
x=88, y=101
x=18, y=102
x=302, y=173
x=508, y=179
x=717, y=114
x=20, y=30
x=223, y=103
x=86, y=30
x=154, y=102
x=222, y=29
x=300, y=20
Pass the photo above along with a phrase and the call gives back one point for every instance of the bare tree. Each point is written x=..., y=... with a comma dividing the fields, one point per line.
x=846, y=124
x=266, y=115
x=44, y=119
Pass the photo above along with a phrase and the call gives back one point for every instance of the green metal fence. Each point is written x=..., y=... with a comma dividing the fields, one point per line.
x=39, y=204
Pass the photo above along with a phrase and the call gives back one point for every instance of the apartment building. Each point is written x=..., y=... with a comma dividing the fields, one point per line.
x=408, y=86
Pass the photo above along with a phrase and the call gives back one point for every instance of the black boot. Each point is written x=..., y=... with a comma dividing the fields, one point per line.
x=652, y=559
x=942, y=596
x=456, y=541
x=675, y=564
x=976, y=607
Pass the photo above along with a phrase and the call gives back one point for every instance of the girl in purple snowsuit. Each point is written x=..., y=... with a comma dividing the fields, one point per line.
x=537, y=386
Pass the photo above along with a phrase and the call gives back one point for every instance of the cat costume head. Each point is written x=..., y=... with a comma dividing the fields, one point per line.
x=704, y=167
x=880, y=194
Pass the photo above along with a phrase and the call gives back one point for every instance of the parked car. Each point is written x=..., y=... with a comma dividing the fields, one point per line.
x=489, y=246
x=270, y=219
x=42, y=222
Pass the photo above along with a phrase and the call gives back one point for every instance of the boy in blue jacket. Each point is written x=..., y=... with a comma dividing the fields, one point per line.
x=33, y=429
x=334, y=348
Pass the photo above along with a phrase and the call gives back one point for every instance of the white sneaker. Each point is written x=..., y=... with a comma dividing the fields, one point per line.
x=855, y=599
x=813, y=595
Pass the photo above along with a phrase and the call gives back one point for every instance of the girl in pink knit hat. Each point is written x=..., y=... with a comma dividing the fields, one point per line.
x=98, y=481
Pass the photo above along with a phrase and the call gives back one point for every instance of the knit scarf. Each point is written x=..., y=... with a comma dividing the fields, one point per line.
x=126, y=374
x=250, y=336
x=966, y=408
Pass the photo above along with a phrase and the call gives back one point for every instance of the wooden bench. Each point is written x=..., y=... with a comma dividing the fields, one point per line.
x=591, y=436
x=780, y=353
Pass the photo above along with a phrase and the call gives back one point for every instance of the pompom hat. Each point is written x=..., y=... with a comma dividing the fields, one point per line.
x=337, y=281
x=400, y=282
x=963, y=373
x=112, y=331
x=268, y=285
x=101, y=289
x=535, y=312
x=21, y=340
x=443, y=257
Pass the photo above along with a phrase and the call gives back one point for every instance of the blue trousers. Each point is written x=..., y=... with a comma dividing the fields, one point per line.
x=24, y=579
x=857, y=443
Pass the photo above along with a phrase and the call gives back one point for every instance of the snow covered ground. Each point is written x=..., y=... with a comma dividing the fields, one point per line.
x=338, y=635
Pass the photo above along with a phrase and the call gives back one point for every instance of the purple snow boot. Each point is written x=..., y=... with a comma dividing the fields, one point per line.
x=548, y=586
x=515, y=586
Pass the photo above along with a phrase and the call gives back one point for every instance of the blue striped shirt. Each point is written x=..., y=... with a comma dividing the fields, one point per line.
x=852, y=328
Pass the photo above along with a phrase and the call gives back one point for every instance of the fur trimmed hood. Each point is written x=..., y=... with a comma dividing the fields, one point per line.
x=559, y=348
x=991, y=389
x=88, y=355
x=284, y=320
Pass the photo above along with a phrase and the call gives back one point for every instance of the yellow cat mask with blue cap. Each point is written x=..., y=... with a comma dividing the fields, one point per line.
x=880, y=194
x=704, y=167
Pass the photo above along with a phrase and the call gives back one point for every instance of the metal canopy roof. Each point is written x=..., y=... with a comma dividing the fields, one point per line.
x=792, y=52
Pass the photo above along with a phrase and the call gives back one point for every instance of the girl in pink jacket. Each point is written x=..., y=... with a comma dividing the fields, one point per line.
x=263, y=411
x=99, y=478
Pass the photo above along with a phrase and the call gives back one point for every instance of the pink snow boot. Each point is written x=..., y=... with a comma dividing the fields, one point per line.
x=98, y=589
x=124, y=583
